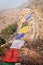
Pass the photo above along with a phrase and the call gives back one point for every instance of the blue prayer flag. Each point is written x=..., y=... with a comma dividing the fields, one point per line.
x=28, y=17
x=18, y=36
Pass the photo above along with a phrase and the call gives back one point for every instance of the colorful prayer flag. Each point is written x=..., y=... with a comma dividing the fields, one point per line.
x=11, y=55
x=23, y=30
x=25, y=24
x=6, y=63
x=18, y=36
x=17, y=44
x=28, y=17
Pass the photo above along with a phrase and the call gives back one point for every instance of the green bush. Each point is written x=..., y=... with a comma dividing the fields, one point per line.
x=2, y=41
x=9, y=30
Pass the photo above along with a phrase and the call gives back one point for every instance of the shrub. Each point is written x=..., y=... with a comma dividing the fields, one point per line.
x=2, y=41
x=9, y=30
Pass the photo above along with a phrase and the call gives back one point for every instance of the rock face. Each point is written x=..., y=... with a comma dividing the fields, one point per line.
x=32, y=52
x=35, y=24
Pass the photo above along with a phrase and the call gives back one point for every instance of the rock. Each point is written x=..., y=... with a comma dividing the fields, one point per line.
x=17, y=63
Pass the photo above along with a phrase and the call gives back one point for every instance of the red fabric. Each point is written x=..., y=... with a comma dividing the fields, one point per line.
x=11, y=56
x=23, y=23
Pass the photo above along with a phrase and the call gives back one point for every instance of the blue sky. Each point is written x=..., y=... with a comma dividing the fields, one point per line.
x=6, y=4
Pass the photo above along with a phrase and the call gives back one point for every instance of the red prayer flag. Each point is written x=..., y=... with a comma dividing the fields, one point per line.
x=11, y=56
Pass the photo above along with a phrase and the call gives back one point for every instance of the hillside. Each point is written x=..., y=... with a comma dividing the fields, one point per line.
x=32, y=52
x=8, y=17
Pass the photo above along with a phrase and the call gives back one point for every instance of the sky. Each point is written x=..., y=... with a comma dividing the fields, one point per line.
x=6, y=4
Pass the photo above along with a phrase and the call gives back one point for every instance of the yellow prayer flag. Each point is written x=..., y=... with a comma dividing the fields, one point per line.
x=23, y=30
